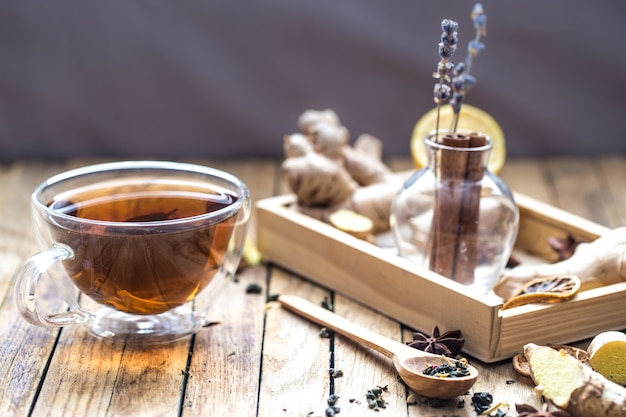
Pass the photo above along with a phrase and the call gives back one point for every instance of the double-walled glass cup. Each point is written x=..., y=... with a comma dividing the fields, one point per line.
x=139, y=249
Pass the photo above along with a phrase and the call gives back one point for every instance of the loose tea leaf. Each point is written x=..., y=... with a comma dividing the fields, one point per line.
x=254, y=288
x=481, y=401
x=332, y=399
x=374, y=398
x=457, y=369
x=325, y=333
x=327, y=304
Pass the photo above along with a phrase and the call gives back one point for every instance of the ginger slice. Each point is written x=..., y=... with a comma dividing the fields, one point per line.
x=572, y=386
x=520, y=363
x=545, y=289
x=607, y=355
x=352, y=223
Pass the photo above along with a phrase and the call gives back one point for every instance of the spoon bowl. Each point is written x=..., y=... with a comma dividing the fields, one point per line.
x=408, y=362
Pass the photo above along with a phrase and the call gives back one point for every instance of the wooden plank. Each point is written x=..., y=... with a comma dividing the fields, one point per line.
x=226, y=359
x=228, y=354
x=24, y=349
x=295, y=380
x=92, y=377
x=578, y=188
x=363, y=368
x=612, y=172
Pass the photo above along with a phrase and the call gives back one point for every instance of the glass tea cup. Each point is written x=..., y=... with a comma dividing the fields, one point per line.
x=139, y=249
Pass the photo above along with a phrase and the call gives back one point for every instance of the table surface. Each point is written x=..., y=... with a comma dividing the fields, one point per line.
x=260, y=359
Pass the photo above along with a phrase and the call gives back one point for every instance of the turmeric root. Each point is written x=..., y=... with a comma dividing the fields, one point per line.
x=327, y=174
x=572, y=386
x=607, y=355
x=598, y=263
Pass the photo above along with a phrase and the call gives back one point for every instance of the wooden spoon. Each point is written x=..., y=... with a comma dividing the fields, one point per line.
x=409, y=362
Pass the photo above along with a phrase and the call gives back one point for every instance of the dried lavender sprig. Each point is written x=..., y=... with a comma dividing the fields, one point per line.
x=475, y=46
x=462, y=81
x=446, y=48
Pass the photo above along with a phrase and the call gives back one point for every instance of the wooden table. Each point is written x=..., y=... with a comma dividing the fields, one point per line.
x=260, y=360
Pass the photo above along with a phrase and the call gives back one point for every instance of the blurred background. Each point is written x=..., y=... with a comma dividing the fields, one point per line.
x=225, y=79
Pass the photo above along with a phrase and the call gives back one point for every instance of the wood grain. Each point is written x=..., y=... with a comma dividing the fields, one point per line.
x=295, y=379
x=260, y=360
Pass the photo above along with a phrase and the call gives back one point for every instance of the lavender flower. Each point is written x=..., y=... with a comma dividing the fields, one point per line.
x=462, y=81
x=480, y=19
x=441, y=93
x=475, y=46
x=446, y=48
x=459, y=78
x=449, y=38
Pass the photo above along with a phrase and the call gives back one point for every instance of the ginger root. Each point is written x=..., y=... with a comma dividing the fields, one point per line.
x=598, y=263
x=572, y=386
x=327, y=174
x=607, y=355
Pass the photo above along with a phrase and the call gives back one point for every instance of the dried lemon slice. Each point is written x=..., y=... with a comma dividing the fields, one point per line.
x=545, y=290
x=471, y=118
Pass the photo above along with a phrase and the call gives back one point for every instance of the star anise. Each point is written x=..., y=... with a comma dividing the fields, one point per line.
x=449, y=344
x=527, y=410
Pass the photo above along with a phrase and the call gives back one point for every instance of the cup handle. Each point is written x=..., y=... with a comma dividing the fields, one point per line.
x=26, y=284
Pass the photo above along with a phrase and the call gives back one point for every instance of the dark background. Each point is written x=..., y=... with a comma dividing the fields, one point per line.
x=222, y=79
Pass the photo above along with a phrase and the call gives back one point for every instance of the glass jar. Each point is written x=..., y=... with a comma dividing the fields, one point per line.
x=454, y=216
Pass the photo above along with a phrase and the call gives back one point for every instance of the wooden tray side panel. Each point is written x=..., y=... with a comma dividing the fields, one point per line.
x=589, y=313
x=369, y=275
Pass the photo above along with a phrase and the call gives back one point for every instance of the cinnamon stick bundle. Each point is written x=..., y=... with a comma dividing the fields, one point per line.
x=453, y=249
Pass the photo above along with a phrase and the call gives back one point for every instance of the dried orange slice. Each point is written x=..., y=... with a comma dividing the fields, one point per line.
x=545, y=290
x=471, y=118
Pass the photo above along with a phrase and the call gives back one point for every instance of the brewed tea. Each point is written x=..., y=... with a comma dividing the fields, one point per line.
x=144, y=247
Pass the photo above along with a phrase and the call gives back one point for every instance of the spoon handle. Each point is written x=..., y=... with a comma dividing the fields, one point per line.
x=304, y=308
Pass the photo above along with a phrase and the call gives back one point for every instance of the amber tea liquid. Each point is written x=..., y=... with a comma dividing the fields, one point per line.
x=160, y=252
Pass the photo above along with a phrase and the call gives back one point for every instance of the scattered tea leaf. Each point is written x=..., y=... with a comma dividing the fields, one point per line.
x=327, y=304
x=325, y=333
x=336, y=373
x=374, y=398
x=254, y=288
x=481, y=401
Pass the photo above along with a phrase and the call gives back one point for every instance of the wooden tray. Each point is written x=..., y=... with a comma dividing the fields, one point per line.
x=421, y=299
